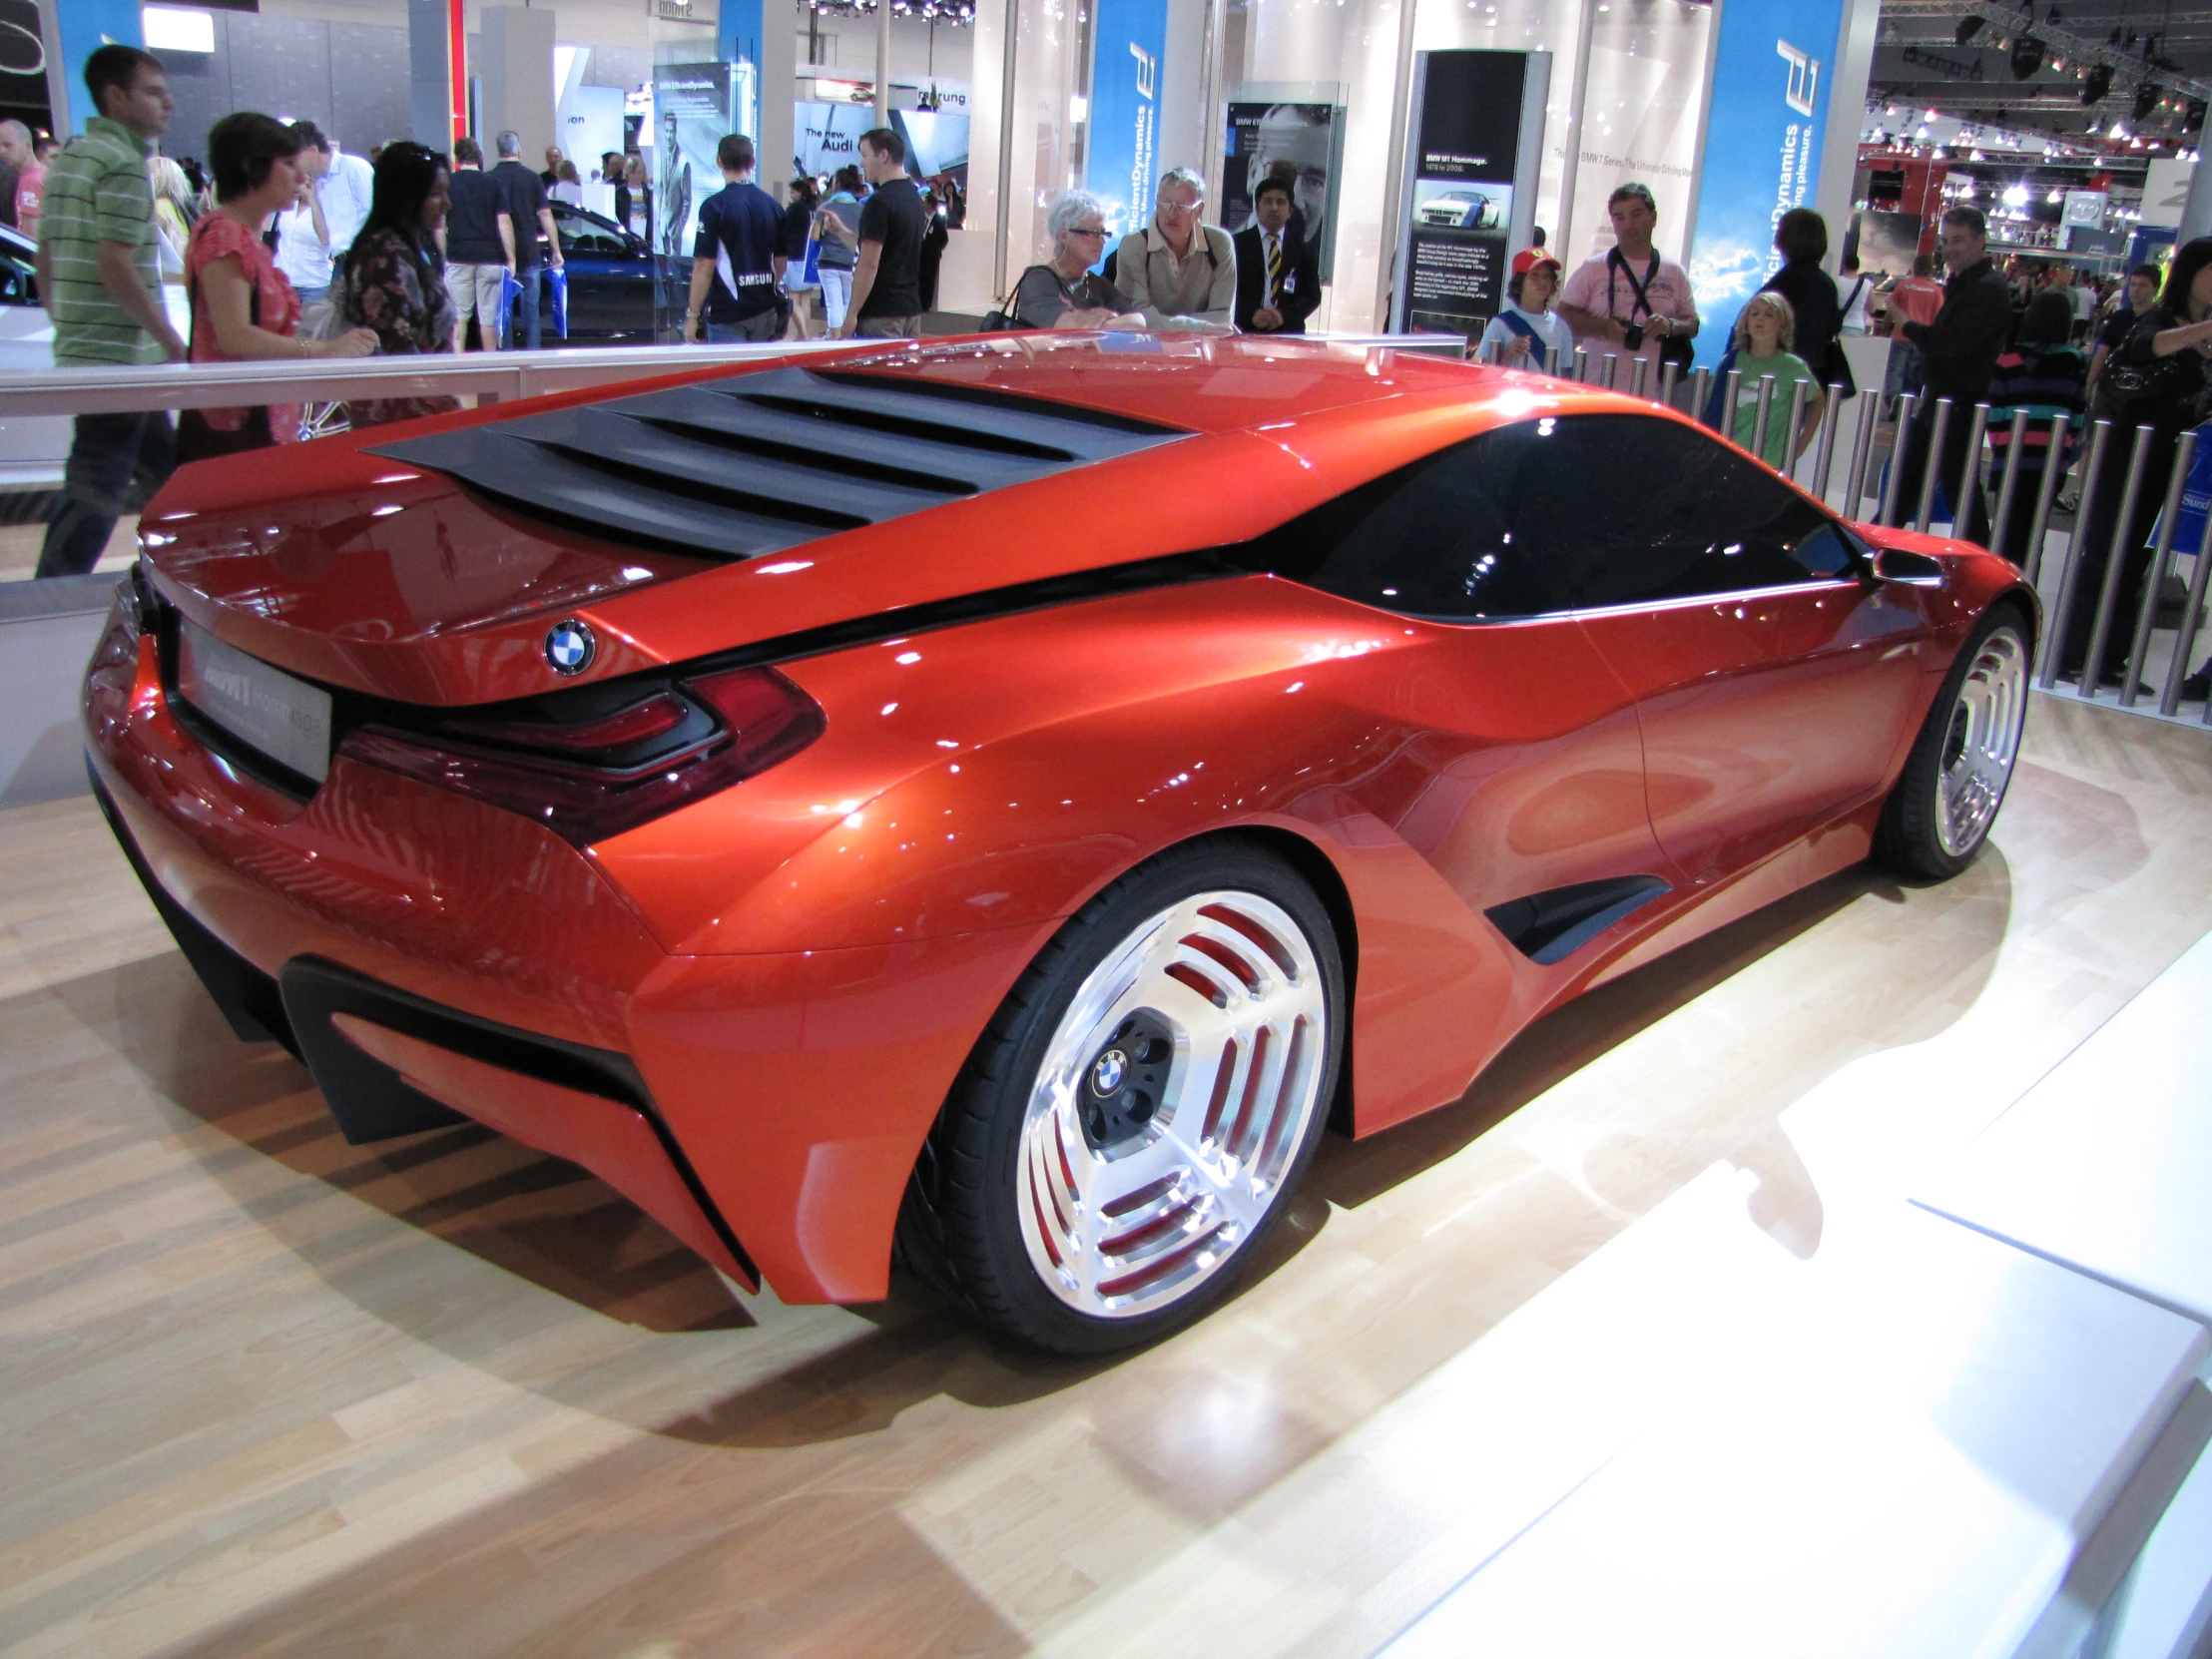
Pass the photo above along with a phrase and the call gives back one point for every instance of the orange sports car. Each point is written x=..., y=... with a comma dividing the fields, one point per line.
x=997, y=801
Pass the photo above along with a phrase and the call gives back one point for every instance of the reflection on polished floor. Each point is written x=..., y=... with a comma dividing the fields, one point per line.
x=265, y=1394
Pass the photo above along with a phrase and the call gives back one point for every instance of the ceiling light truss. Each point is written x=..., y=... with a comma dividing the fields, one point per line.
x=2061, y=43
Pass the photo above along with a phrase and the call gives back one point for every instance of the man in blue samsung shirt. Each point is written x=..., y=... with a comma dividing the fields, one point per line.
x=737, y=273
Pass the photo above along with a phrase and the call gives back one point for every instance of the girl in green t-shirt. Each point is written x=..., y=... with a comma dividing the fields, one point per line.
x=1764, y=330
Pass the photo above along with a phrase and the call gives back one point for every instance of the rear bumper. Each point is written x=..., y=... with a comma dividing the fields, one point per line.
x=426, y=954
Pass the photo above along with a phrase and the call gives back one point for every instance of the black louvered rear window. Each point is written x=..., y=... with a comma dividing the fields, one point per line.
x=764, y=462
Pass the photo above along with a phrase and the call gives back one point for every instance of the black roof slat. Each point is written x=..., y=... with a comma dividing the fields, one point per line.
x=973, y=469
x=970, y=391
x=645, y=448
x=920, y=404
x=539, y=480
x=761, y=461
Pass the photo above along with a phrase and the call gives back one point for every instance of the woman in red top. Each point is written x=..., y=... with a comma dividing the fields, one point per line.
x=242, y=305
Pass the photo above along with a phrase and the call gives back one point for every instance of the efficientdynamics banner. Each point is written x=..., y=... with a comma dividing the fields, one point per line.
x=1761, y=150
x=1124, y=153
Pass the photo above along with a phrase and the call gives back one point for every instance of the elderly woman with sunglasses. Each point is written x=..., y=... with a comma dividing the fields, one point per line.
x=1065, y=293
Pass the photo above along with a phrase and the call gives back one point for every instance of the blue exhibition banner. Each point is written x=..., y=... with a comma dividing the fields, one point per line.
x=1123, y=155
x=1761, y=150
x=86, y=25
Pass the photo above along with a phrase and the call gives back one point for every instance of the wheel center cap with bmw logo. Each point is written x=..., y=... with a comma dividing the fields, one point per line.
x=570, y=646
x=1106, y=1076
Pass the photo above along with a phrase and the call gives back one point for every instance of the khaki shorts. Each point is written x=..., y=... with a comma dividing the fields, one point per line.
x=887, y=327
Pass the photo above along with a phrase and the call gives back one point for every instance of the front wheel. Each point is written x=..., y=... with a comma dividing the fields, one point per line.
x=1953, y=782
x=1136, y=1116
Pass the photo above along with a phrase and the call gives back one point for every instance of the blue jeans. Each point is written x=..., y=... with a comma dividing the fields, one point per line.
x=116, y=464
x=762, y=326
x=532, y=278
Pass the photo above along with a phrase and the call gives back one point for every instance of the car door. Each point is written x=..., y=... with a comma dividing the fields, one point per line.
x=1771, y=681
x=610, y=277
x=1514, y=762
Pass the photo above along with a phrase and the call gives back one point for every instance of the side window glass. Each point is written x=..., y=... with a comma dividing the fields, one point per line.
x=1635, y=509
x=1438, y=538
x=583, y=236
x=1574, y=512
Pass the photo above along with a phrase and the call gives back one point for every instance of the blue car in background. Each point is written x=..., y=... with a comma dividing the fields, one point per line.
x=619, y=291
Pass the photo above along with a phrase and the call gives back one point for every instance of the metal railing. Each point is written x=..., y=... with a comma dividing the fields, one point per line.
x=489, y=376
x=2049, y=562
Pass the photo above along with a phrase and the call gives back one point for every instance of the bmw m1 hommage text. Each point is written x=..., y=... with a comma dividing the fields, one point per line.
x=999, y=800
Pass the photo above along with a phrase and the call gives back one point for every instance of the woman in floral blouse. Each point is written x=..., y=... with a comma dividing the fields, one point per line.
x=242, y=305
x=394, y=280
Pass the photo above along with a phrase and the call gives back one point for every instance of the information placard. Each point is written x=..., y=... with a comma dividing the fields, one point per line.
x=1473, y=145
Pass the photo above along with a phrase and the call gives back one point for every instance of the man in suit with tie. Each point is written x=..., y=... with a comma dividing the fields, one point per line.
x=1277, y=277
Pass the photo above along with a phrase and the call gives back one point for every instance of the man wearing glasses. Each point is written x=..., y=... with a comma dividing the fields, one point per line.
x=1178, y=271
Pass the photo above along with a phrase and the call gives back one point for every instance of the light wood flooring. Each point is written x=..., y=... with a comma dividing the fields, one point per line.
x=265, y=1393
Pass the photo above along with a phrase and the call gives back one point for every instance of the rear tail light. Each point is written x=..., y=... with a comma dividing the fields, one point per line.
x=596, y=761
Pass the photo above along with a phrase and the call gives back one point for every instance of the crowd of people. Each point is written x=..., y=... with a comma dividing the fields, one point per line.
x=284, y=245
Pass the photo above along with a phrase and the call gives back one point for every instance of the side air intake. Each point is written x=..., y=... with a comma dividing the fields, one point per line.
x=764, y=461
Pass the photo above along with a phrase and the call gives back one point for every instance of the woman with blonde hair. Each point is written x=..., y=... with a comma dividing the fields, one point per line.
x=173, y=213
x=1766, y=329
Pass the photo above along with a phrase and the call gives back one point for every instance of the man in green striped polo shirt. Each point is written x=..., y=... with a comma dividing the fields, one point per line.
x=100, y=284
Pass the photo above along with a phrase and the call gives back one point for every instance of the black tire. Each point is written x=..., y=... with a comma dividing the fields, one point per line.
x=960, y=1227
x=1916, y=838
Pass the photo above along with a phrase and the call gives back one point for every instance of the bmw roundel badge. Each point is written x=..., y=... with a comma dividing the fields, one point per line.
x=570, y=646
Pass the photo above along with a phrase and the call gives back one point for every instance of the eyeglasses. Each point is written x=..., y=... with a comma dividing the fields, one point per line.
x=1086, y=230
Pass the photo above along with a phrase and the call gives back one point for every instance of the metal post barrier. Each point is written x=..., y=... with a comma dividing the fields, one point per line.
x=1613, y=371
x=2169, y=695
x=2015, y=441
x=2046, y=493
x=1670, y=374
x=1701, y=387
x=2093, y=478
x=1797, y=429
x=1824, y=453
x=1551, y=360
x=1638, y=375
x=1732, y=388
x=2115, y=563
x=1581, y=362
x=2162, y=552
x=1969, y=477
x=1862, y=451
x=1933, y=469
x=1886, y=514
x=1760, y=415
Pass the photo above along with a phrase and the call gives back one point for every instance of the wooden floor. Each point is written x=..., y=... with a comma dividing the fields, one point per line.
x=265, y=1393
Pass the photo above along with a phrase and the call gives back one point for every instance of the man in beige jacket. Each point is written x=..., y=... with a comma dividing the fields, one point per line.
x=1180, y=272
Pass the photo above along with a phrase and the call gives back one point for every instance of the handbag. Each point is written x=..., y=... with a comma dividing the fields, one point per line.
x=1002, y=317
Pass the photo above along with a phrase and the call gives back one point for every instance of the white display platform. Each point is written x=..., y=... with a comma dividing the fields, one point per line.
x=2106, y=1163
x=1951, y=1432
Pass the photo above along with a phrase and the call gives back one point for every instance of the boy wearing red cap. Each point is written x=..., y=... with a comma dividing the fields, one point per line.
x=1520, y=335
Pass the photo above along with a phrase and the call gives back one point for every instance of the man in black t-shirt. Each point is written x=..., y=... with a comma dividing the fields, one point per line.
x=736, y=266
x=886, y=280
x=475, y=257
x=527, y=214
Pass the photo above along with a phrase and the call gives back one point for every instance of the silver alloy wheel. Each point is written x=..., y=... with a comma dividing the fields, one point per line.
x=1982, y=743
x=1227, y=986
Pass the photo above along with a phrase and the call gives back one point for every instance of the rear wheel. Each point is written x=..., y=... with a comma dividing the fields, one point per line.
x=1953, y=782
x=1135, y=1118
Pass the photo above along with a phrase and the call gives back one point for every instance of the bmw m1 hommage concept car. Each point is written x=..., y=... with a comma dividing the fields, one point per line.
x=997, y=801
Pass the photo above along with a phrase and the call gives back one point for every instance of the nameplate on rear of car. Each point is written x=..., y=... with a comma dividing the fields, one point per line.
x=264, y=708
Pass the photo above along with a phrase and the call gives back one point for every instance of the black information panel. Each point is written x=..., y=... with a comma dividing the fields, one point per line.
x=1475, y=140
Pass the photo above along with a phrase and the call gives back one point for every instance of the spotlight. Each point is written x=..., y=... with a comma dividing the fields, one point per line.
x=2193, y=117
x=2146, y=100
x=2027, y=56
x=2056, y=18
x=1969, y=27
x=2096, y=84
